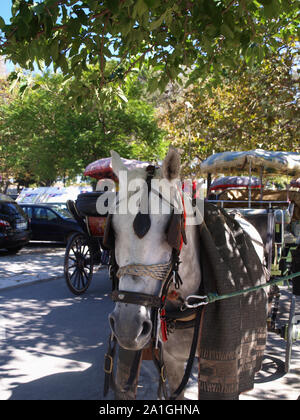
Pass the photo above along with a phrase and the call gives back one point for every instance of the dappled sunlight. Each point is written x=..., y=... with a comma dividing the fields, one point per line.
x=272, y=382
x=53, y=343
x=35, y=365
x=32, y=320
x=20, y=264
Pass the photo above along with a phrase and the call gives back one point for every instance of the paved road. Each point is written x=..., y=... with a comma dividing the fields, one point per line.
x=52, y=343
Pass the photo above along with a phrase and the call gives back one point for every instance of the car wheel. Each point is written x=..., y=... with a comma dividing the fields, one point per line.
x=14, y=250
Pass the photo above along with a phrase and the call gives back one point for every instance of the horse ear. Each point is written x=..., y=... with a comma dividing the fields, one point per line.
x=116, y=163
x=171, y=165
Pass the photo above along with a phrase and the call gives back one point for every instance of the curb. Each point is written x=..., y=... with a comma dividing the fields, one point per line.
x=21, y=283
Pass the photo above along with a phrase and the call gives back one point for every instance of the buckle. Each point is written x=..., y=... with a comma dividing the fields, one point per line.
x=163, y=373
x=109, y=359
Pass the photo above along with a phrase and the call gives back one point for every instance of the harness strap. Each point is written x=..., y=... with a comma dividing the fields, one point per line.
x=136, y=298
x=160, y=365
x=109, y=365
x=126, y=358
x=189, y=365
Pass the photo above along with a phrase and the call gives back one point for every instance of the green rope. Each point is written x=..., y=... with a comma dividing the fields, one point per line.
x=212, y=297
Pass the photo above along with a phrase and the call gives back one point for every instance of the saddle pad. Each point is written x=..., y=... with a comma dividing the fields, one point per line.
x=234, y=330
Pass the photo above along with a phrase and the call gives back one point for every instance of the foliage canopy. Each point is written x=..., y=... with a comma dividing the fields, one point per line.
x=206, y=36
x=257, y=108
x=45, y=137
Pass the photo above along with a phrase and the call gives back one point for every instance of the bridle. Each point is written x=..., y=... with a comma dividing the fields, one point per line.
x=166, y=273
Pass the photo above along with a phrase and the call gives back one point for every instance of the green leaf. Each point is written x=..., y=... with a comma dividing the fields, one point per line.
x=2, y=23
x=156, y=23
x=152, y=3
x=54, y=49
x=225, y=30
x=271, y=8
x=22, y=88
x=74, y=26
x=121, y=95
x=81, y=16
x=260, y=53
x=79, y=100
x=22, y=28
x=113, y=5
x=38, y=9
x=15, y=7
x=139, y=8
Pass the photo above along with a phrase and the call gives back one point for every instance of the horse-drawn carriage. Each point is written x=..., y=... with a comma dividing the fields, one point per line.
x=274, y=212
x=276, y=220
x=85, y=250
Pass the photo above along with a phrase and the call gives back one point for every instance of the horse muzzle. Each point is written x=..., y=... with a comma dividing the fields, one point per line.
x=131, y=324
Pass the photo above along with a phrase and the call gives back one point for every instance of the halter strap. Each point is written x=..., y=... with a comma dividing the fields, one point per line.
x=136, y=298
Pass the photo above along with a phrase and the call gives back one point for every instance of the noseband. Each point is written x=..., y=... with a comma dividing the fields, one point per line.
x=166, y=273
x=155, y=271
x=158, y=272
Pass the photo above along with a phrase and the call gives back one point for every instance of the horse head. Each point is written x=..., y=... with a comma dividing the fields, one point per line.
x=146, y=233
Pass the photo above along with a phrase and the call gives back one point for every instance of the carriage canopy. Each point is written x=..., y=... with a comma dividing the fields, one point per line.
x=284, y=163
x=295, y=183
x=102, y=168
x=226, y=182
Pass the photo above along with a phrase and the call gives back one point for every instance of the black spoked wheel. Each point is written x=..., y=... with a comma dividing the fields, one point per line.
x=78, y=264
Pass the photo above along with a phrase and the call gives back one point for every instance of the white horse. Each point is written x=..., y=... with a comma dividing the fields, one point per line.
x=132, y=323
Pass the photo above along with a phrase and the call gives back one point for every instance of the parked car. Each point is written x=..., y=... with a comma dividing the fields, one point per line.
x=61, y=208
x=50, y=223
x=14, y=226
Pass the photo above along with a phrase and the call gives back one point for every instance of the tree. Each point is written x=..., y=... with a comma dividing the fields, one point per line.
x=48, y=137
x=172, y=36
x=5, y=169
x=258, y=108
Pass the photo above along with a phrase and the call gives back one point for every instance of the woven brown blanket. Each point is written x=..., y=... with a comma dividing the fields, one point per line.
x=233, y=335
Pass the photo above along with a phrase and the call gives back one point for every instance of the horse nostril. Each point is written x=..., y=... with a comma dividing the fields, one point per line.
x=112, y=323
x=146, y=328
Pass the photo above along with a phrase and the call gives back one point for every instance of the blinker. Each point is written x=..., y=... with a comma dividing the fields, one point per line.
x=109, y=237
x=141, y=224
x=175, y=231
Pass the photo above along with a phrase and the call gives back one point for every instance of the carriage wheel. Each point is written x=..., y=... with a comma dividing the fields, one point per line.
x=78, y=264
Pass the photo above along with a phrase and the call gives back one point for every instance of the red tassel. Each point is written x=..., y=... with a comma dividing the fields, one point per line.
x=173, y=295
x=163, y=325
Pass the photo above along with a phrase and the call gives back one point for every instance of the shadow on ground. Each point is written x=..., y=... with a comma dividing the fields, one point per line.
x=54, y=342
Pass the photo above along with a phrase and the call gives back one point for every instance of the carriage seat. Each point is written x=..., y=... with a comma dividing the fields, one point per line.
x=295, y=229
x=260, y=219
